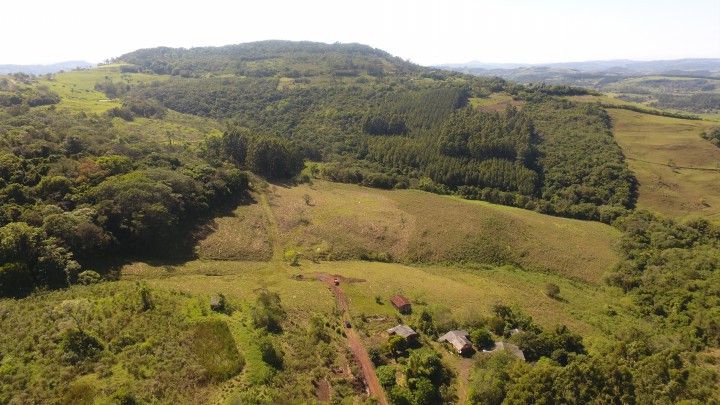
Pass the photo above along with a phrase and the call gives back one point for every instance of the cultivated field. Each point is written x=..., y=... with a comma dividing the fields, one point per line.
x=611, y=99
x=678, y=171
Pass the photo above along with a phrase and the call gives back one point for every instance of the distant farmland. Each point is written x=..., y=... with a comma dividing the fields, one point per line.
x=678, y=171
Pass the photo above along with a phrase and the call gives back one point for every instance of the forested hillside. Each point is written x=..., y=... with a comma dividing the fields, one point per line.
x=75, y=192
x=380, y=121
x=196, y=172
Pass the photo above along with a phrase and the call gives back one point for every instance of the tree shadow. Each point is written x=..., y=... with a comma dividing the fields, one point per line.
x=175, y=248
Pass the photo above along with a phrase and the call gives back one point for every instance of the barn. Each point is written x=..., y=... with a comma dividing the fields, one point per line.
x=401, y=303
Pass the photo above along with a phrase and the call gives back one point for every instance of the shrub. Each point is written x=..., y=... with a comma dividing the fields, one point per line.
x=121, y=112
x=482, y=338
x=88, y=277
x=396, y=345
x=79, y=346
x=386, y=376
x=270, y=353
x=268, y=312
x=146, y=301
x=552, y=290
x=216, y=350
x=79, y=393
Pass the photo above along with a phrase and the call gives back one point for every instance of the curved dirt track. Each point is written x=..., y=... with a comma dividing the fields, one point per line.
x=355, y=344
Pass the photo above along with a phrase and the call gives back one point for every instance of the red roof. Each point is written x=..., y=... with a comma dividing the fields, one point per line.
x=399, y=301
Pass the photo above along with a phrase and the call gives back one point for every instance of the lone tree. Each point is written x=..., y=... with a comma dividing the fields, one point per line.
x=396, y=345
x=482, y=338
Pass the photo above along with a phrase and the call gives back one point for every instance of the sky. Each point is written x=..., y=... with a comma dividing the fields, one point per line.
x=424, y=32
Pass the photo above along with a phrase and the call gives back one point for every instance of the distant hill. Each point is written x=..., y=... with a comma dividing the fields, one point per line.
x=617, y=66
x=44, y=69
x=269, y=58
x=691, y=85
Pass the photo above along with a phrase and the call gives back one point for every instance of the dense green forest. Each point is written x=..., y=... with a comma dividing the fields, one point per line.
x=406, y=126
x=74, y=191
x=78, y=196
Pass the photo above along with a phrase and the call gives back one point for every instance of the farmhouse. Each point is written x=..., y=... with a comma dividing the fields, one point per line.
x=401, y=303
x=458, y=339
x=510, y=348
x=404, y=331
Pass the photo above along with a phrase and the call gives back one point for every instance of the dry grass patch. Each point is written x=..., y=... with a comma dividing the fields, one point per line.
x=238, y=281
x=340, y=221
x=495, y=102
x=456, y=230
x=240, y=236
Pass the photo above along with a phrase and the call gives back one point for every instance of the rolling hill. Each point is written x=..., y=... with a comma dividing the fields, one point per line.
x=329, y=221
x=44, y=69
x=685, y=84
x=227, y=225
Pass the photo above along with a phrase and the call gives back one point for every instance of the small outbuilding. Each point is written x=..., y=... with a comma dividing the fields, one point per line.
x=401, y=303
x=403, y=330
x=458, y=339
x=510, y=348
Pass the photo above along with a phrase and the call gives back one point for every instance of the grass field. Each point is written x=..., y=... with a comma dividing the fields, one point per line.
x=78, y=94
x=333, y=221
x=175, y=128
x=662, y=153
x=242, y=235
x=240, y=282
x=461, y=293
x=77, y=88
x=611, y=99
x=494, y=102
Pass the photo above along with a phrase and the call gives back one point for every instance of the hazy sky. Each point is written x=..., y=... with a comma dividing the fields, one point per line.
x=426, y=32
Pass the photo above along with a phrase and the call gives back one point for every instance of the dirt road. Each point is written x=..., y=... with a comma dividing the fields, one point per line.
x=354, y=342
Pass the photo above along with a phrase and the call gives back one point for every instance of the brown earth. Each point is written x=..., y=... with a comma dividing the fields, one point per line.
x=354, y=342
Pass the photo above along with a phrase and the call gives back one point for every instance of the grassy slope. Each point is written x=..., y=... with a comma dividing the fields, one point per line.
x=241, y=235
x=345, y=221
x=342, y=221
x=611, y=99
x=240, y=282
x=77, y=88
x=653, y=145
